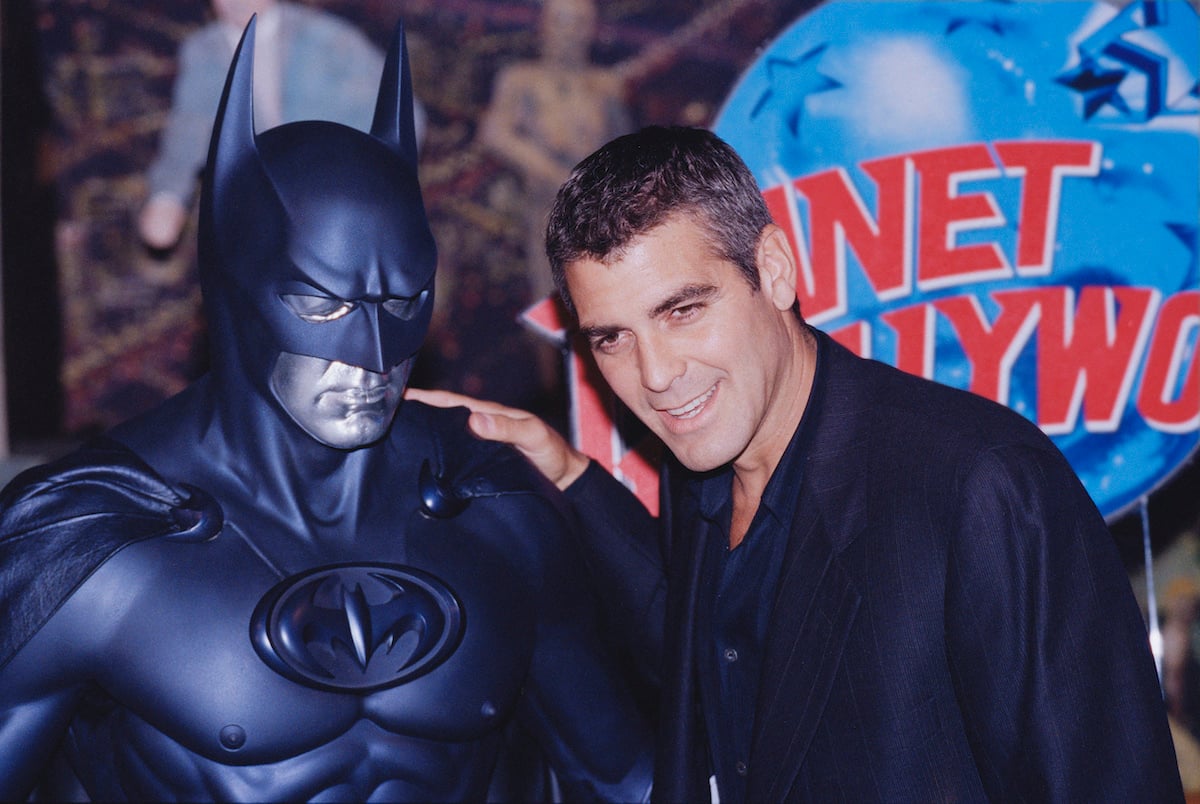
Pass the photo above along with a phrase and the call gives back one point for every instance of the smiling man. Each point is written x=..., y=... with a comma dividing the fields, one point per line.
x=864, y=586
x=285, y=584
x=716, y=366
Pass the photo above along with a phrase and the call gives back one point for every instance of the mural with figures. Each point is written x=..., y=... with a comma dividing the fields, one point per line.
x=131, y=328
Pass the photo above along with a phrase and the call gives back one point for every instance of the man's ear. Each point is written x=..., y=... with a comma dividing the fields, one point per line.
x=777, y=267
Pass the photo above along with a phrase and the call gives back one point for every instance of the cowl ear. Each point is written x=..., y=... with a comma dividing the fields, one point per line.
x=393, y=123
x=235, y=179
x=233, y=131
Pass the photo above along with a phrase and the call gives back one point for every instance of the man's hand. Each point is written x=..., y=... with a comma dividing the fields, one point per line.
x=161, y=221
x=538, y=441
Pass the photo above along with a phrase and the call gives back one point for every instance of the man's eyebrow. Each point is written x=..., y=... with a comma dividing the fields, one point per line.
x=688, y=294
x=597, y=333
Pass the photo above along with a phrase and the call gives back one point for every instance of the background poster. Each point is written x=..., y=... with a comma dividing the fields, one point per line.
x=1002, y=197
x=999, y=196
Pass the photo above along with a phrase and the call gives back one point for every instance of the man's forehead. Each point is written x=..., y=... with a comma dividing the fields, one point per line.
x=623, y=301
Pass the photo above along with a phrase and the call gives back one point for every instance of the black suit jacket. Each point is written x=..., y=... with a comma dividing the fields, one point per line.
x=952, y=622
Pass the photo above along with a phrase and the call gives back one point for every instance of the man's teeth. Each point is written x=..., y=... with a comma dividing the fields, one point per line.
x=692, y=408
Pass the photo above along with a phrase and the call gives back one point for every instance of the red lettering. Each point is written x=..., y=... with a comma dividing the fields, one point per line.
x=856, y=337
x=914, y=338
x=991, y=349
x=918, y=195
x=1043, y=164
x=1169, y=399
x=821, y=297
x=1087, y=354
x=838, y=217
x=944, y=212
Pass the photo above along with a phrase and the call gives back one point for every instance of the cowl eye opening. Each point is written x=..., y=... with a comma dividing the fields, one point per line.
x=406, y=308
x=317, y=309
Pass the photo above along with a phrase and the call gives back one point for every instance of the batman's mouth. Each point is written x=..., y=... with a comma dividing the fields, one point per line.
x=365, y=396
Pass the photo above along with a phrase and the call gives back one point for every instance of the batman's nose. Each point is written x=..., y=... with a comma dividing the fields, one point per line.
x=371, y=356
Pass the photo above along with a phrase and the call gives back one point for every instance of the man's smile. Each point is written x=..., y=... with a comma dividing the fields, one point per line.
x=691, y=409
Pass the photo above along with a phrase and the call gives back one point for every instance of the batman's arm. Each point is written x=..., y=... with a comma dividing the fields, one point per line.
x=579, y=701
x=36, y=706
x=59, y=525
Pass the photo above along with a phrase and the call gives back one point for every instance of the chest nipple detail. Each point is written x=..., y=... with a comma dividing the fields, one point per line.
x=233, y=737
x=356, y=627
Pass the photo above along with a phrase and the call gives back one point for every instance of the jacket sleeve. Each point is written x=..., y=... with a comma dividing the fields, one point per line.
x=622, y=546
x=578, y=701
x=1048, y=649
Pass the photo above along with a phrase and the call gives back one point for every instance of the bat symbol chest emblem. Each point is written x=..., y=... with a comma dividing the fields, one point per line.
x=357, y=627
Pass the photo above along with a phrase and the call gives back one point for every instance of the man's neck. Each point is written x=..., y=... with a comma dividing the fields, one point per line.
x=752, y=471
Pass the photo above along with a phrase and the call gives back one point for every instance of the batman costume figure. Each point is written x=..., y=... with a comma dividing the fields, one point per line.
x=285, y=583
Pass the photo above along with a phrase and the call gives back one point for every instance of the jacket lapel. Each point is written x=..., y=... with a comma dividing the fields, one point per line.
x=817, y=600
x=811, y=620
x=681, y=769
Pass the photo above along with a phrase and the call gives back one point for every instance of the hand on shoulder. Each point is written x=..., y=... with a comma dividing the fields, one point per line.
x=561, y=463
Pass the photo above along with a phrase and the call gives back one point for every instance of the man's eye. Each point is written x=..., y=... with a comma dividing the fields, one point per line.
x=606, y=344
x=686, y=311
x=317, y=309
x=406, y=308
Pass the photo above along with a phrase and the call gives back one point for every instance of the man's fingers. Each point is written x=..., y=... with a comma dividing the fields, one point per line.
x=494, y=421
x=538, y=441
x=449, y=399
x=492, y=426
x=527, y=432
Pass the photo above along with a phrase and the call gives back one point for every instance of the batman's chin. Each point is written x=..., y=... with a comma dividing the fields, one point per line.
x=358, y=427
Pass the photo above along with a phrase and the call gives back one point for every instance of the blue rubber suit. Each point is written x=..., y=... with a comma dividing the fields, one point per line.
x=286, y=583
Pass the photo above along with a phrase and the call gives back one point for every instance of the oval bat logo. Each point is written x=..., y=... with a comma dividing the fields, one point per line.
x=357, y=627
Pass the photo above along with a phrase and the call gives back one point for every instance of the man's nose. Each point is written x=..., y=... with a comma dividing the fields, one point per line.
x=659, y=363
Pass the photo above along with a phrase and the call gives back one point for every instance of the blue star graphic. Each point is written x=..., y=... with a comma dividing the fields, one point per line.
x=992, y=24
x=1149, y=64
x=1098, y=86
x=1101, y=87
x=791, y=81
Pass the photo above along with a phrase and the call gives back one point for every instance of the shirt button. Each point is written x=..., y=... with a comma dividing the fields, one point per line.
x=741, y=768
x=730, y=655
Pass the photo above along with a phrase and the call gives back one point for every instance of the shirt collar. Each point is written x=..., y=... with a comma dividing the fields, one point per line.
x=714, y=489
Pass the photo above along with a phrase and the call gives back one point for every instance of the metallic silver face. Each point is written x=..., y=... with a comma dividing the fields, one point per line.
x=339, y=405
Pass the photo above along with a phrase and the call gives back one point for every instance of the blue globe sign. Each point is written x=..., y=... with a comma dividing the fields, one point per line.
x=1002, y=197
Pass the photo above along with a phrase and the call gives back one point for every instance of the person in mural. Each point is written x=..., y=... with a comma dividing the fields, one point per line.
x=864, y=586
x=332, y=71
x=286, y=583
x=546, y=114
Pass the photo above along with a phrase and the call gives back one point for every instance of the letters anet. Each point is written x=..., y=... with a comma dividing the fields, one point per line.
x=1090, y=341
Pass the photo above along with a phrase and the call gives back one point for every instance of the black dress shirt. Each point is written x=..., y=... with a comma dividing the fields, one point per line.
x=742, y=583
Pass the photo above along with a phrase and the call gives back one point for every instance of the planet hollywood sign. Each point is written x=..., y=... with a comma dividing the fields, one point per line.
x=1104, y=363
x=1000, y=197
